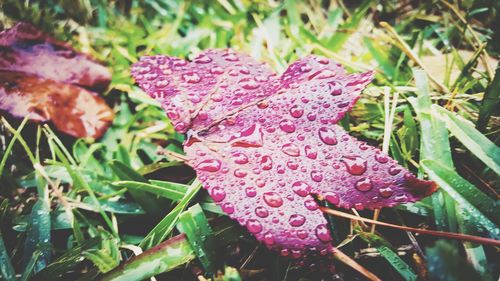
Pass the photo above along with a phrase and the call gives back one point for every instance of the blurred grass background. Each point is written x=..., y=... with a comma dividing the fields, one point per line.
x=79, y=208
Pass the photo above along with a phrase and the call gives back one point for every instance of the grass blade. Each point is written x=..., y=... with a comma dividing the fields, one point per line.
x=338, y=39
x=29, y=267
x=66, y=262
x=6, y=268
x=397, y=263
x=383, y=247
x=7, y=151
x=38, y=235
x=147, y=201
x=199, y=234
x=171, y=190
x=162, y=258
x=490, y=101
x=434, y=145
x=471, y=138
x=483, y=209
x=165, y=226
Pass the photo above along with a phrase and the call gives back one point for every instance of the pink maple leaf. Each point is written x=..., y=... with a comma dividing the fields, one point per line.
x=266, y=146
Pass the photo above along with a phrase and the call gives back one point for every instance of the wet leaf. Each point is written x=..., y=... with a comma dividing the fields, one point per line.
x=45, y=78
x=25, y=49
x=265, y=146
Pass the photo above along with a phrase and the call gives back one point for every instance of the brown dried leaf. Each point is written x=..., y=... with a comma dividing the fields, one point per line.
x=72, y=109
x=43, y=76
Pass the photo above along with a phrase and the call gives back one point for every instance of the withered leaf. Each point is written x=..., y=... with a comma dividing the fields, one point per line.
x=72, y=109
x=44, y=76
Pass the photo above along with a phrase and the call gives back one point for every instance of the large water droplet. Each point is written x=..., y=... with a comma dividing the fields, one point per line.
x=230, y=57
x=268, y=239
x=179, y=62
x=209, y=165
x=296, y=220
x=251, y=191
x=322, y=60
x=240, y=158
x=227, y=207
x=272, y=199
x=180, y=126
x=355, y=165
x=202, y=59
x=364, y=185
x=287, y=126
x=302, y=234
x=248, y=84
x=394, y=170
x=301, y=188
x=260, y=182
x=327, y=136
x=311, y=116
x=310, y=153
x=244, y=70
x=292, y=165
x=191, y=78
x=316, y=175
x=323, y=233
x=254, y=226
x=261, y=212
x=263, y=104
x=203, y=116
x=216, y=70
x=381, y=158
x=305, y=68
x=311, y=205
x=386, y=192
x=240, y=173
x=332, y=198
x=335, y=88
x=266, y=163
x=236, y=101
x=296, y=111
x=291, y=149
x=218, y=194
x=262, y=78
x=172, y=115
x=162, y=82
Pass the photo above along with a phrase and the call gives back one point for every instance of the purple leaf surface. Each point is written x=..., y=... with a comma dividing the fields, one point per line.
x=266, y=158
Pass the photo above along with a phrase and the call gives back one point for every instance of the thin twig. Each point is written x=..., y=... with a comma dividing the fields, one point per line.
x=172, y=155
x=458, y=236
x=484, y=57
x=353, y=264
x=403, y=46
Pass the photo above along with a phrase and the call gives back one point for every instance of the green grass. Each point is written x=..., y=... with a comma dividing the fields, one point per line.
x=87, y=209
